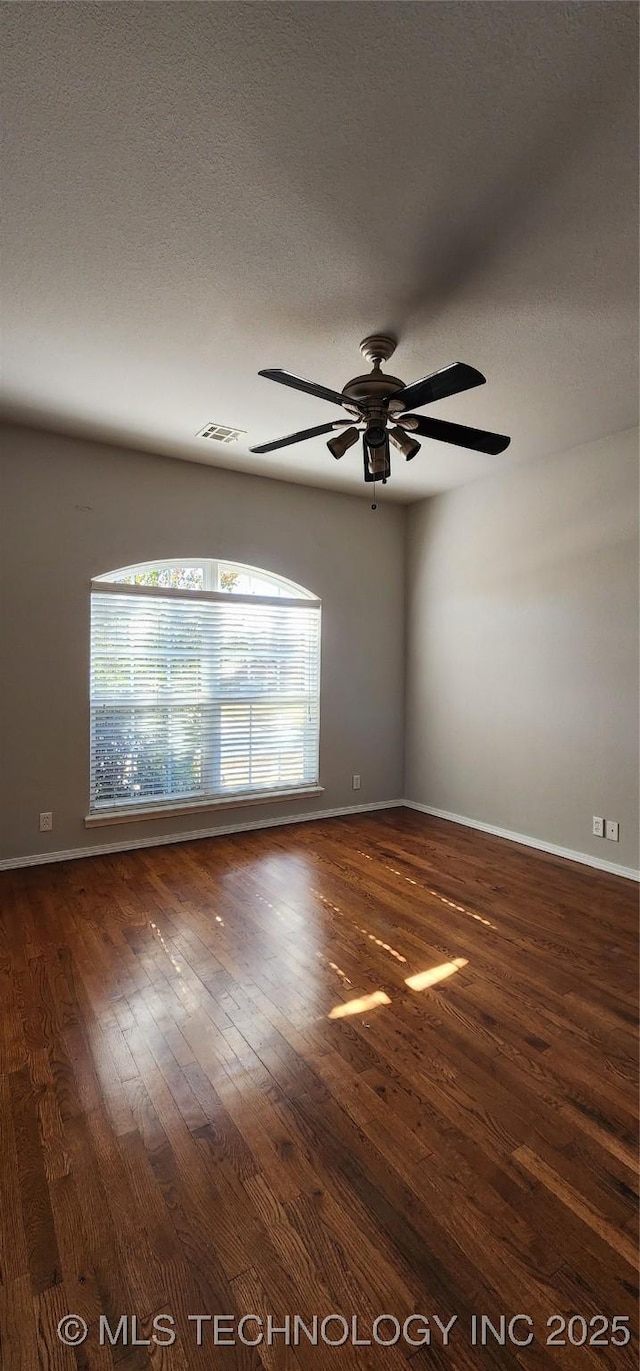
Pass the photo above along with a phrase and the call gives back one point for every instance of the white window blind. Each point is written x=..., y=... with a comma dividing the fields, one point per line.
x=200, y=695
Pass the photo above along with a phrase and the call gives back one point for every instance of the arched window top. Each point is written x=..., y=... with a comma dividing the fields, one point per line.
x=206, y=573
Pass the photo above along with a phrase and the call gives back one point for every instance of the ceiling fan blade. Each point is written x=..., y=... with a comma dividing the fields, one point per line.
x=460, y=434
x=298, y=383
x=298, y=437
x=449, y=381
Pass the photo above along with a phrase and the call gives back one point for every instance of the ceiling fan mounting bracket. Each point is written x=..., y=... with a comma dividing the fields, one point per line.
x=378, y=347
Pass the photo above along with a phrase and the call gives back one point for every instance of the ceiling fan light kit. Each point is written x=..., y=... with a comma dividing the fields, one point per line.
x=409, y=447
x=378, y=403
x=338, y=446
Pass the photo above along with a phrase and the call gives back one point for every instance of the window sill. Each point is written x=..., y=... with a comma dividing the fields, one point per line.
x=161, y=811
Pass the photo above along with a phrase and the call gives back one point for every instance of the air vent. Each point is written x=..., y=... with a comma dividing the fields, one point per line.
x=220, y=433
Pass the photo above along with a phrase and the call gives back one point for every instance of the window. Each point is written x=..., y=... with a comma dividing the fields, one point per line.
x=204, y=686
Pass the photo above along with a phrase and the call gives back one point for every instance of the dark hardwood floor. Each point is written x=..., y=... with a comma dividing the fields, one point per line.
x=228, y=1086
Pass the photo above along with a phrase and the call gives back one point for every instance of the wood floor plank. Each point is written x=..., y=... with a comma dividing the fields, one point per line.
x=549, y=1178
x=18, y=1327
x=14, y=1258
x=223, y=1090
x=37, y=1218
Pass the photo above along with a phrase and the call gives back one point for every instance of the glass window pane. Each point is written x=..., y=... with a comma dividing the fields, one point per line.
x=233, y=577
x=178, y=577
x=198, y=697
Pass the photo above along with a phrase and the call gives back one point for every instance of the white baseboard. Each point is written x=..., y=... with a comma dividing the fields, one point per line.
x=584, y=858
x=129, y=844
x=99, y=850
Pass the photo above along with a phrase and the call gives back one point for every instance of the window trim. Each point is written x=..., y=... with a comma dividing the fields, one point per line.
x=164, y=809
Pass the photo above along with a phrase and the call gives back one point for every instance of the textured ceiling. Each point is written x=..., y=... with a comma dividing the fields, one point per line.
x=195, y=191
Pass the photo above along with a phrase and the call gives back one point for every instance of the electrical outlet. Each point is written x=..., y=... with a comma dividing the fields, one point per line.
x=355, y=782
x=598, y=827
x=46, y=822
x=612, y=830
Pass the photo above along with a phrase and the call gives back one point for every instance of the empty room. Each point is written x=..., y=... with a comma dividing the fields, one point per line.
x=319, y=686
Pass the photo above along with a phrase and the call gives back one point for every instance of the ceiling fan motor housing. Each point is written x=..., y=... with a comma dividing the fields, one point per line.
x=371, y=392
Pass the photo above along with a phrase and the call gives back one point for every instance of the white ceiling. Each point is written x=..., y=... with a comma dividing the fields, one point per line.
x=195, y=191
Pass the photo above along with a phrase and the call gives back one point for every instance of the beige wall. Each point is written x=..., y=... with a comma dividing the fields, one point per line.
x=73, y=509
x=522, y=633
x=522, y=680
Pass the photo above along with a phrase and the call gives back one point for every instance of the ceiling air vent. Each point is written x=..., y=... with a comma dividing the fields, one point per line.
x=220, y=433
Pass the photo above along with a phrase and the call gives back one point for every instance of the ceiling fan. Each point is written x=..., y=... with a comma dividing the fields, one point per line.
x=378, y=405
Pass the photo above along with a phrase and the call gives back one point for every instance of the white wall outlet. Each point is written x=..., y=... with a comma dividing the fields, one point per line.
x=612, y=830
x=46, y=822
x=355, y=782
x=598, y=827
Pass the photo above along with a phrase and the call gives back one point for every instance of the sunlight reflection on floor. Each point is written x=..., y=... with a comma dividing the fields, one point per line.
x=460, y=908
x=423, y=979
x=359, y=1006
